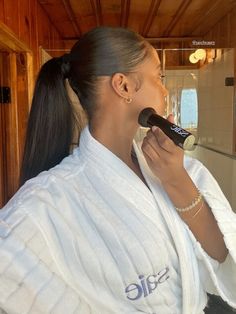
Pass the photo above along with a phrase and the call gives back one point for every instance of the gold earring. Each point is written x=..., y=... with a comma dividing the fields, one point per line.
x=128, y=100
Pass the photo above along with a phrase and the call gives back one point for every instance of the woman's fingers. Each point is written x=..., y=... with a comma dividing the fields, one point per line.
x=156, y=142
x=150, y=139
x=171, y=118
x=157, y=145
x=149, y=150
x=164, y=158
x=163, y=140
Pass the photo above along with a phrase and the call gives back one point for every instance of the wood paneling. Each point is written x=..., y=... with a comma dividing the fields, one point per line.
x=97, y=11
x=195, y=18
x=9, y=130
x=111, y=12
x=124, y=13
x=1, y=10
x=4, y=69
x=224, y=32
x=2, y=167
x=22, y=98
x=84, y=13
x=24, y=27
x=210, y=15
x=9, y=40
x=138, y=13
x=60, y=19
x=31, y=25
x=12, y=137
x=166, y=15
x=44, y=33
x=34, y=42
x=12, y=15
x=24, y=21
x=178, y=20
x=72, y=17
x=152, y=12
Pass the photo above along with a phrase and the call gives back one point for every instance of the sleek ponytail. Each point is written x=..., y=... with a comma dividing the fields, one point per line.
x=50, y=124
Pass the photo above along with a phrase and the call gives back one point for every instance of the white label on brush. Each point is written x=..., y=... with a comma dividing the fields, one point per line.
x=180, y=131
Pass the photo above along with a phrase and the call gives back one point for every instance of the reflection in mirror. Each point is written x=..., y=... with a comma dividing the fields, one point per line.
x=201, y=97
x=182, y=99
x=198, y=95
x=189, y=108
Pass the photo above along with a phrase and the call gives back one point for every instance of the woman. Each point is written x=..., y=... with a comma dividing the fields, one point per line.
x=113, y=227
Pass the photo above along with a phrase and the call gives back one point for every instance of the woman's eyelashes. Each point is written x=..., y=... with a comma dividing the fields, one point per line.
x=161, y=76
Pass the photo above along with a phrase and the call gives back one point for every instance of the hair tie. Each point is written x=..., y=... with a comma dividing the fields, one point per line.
x=66, y=58
x=65, y=65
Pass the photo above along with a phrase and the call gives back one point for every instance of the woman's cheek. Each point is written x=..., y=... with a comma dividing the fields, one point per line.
x=161, y=105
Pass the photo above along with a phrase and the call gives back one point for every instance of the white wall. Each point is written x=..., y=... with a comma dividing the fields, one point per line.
x=233, y=197
x=215, y=103
x=215, y=127
x=175, y=81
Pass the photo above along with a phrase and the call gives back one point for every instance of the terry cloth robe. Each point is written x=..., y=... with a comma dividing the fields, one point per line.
x=89, y=237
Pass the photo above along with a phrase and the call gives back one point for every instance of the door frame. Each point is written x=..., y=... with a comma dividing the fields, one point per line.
x=11, y=44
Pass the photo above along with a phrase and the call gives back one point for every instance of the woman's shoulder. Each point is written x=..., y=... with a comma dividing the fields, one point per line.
x=20, y=218
x=42, y=191
x=27, y=264
x=59, y=176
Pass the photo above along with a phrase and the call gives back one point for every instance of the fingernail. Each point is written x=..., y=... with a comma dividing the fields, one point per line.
x=154, y=128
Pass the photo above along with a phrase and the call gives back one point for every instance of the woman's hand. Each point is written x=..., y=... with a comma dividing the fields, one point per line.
x=164, y=158
x=166, y=161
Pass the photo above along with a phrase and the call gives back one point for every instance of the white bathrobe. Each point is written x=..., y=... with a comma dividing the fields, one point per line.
x=89, y=236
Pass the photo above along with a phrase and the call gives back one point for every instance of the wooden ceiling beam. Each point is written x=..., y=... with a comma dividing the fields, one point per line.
x=206, y=14
x=50, y=17
x=170, y=39
x=179, y=13
x=9, y=40
x=124, y=13
x=154, y=39
x=152, y=12
x=97, y=10
x=72, y=17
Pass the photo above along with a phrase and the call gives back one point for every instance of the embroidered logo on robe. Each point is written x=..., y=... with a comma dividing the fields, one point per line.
x=146, y=285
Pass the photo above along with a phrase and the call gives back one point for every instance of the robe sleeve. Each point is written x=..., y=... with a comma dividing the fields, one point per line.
x=29, y=280
x=217, y=278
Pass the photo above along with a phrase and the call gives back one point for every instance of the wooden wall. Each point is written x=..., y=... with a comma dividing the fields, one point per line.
x=24, y=30
x=224, y=32
x=29, y=22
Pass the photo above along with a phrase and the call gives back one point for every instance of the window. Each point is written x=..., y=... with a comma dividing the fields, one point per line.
x=189, y=109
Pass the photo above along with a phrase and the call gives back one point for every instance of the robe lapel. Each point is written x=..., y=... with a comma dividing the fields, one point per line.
x=187, y=260
x=116, y=174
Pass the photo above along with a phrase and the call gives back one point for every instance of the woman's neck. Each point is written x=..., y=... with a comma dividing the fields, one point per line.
x=116, y=138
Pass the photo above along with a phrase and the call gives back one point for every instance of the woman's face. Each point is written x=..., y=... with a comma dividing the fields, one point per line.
x=151, y=92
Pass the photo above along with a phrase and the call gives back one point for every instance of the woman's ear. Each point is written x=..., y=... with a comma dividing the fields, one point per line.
x=121, y=85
